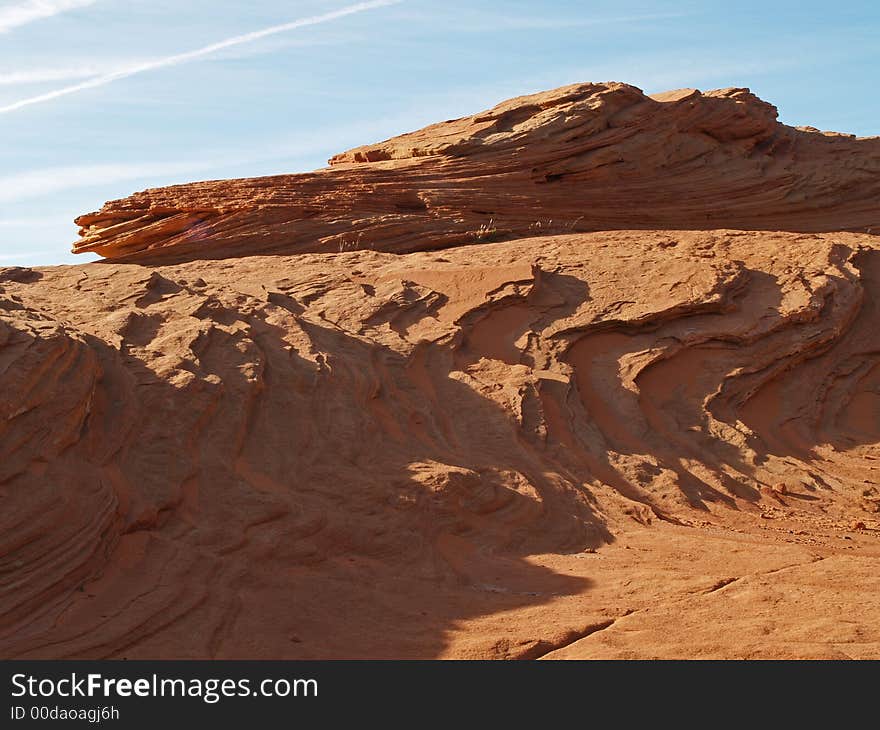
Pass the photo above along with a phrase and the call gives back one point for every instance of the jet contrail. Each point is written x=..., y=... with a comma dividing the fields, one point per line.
x=179, y=58
x=31, y=10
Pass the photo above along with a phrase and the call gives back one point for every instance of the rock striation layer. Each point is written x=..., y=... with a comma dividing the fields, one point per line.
x=581, y=158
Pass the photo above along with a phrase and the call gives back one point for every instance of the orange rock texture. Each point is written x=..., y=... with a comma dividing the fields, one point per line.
x=626, y=443
x=581, y=158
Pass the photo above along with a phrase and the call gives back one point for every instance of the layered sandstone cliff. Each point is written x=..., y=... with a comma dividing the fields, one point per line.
x=624, y=443
x=581, y=158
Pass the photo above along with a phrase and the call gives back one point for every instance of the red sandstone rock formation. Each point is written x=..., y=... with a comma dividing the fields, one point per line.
x=626, y=443
x=581, y=158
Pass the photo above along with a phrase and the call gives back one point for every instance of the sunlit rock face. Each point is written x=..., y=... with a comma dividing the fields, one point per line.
x=581, y=158
x=538, y=441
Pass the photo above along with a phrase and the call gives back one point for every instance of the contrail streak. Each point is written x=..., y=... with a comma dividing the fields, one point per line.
x=179, y=58
x=27, y=12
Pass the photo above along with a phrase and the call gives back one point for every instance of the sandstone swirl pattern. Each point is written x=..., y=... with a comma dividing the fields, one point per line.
x=572, y=445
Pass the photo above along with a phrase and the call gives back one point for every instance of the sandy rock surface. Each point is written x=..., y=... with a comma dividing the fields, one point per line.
x=626, y=443
x=581, y=158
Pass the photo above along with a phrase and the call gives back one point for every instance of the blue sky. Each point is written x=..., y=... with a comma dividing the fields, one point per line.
x=100, y=98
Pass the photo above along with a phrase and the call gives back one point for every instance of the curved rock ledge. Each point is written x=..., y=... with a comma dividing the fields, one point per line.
x=586, y=157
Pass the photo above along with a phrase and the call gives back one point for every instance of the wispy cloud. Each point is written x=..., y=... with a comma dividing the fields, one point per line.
x=12, y=258
x=284, y=155
x=38, y=183
x=472, y=19
x=560, y=23
x=44, y=75
x=179, y=58
x=676, y=69
x=49, y=181
x=23, y=13
x=31, y=222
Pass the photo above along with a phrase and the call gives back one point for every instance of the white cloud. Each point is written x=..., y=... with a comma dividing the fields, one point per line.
x=26, y=12
x=472, y=19
x=671, y=70
x=43, y=75
x=37, y=183
x=180, y=58
x=12, y=258
x=48, y=181
x=280, y=155
x=560, y=23
x=31, y=222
